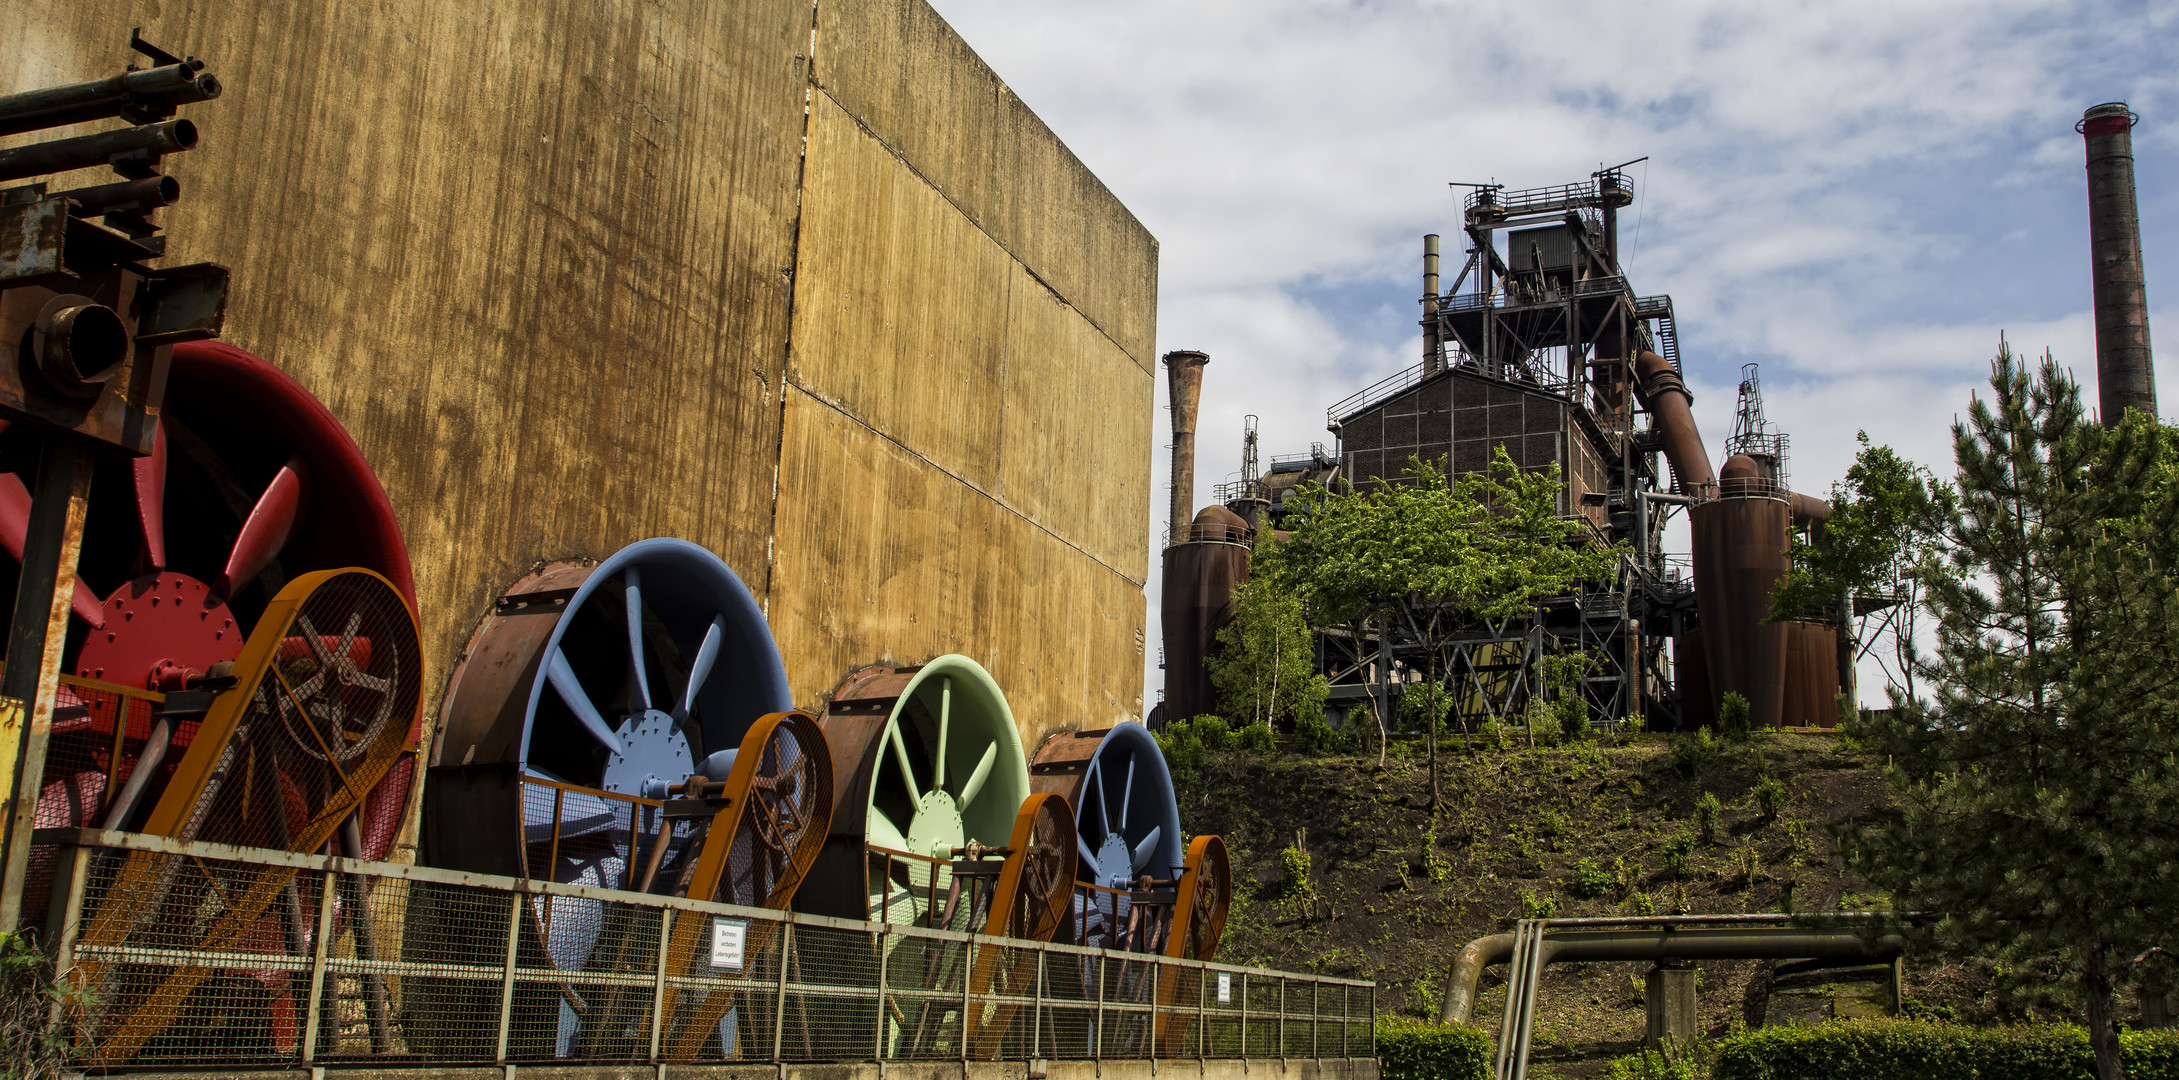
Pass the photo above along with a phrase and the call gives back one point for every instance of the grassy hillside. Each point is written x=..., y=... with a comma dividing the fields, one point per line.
x=1612, y=826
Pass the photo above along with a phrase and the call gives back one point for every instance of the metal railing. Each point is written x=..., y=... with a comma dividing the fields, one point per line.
x=173, y=958
x=1595, y=286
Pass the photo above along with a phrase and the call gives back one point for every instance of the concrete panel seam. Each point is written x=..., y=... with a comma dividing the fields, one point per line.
x=1144, y=363
x=957, y=478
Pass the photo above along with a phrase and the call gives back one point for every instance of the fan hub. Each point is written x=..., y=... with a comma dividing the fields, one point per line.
x=937, y=827
x=657, y=755
x=1115, y=863
x=159, y=628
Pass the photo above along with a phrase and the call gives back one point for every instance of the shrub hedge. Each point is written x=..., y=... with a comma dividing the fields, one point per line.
x=1911, y=1050
x=1416, y=1050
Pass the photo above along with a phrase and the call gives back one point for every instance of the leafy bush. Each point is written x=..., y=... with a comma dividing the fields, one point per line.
x=1300, y=888
x=1641, y=904
x=1186, y=743
x=1649, y=1065
x=1693, y=753
x=1538, y=907
x=1910, y=1050
x=1770, y=797
x=1732, y=717
x=1706, y=814
x=1410, y=1049
x=1313, y=736
x=1590, y=880
x=1677, y=848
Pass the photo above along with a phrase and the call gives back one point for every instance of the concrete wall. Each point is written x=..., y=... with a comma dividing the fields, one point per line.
x=575, y=274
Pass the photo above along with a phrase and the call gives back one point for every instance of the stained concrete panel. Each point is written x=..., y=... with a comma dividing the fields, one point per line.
x=917, y=323
x=899, y=69
x=881, y=558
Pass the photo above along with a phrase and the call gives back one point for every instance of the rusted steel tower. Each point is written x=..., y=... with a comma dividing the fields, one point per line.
x=2125, y=376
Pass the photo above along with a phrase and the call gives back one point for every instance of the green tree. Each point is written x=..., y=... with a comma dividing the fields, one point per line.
x=1265, y=663
x=1426, y=557
x=2038, y=783
x=1884, y=523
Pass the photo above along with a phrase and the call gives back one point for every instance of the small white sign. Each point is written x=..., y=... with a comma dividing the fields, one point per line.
x=727, y=936
x=1225, y=988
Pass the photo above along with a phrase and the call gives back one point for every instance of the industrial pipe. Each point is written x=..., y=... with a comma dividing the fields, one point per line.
x=85, y=151
x=1660, y=942
x=1430, y=364
x=1667, y=397
x=2125, y=375
x=57, y=106
x=127, y=196
x=1184, y=369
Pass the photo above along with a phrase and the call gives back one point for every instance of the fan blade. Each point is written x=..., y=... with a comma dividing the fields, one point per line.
x=945, y=722
x=907, y=775
x=632, y=588
x=1127, y=794
x=570, y=688
x=267, y=529
x=15, y=528
x=150, y=476
x=706, y=655
x=1089, y=858
x=1149, y=847
x=881, y=832
x=975, y=785
x=1093, y=788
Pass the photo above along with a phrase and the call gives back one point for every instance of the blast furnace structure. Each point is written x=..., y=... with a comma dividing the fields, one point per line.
x=1543, y=347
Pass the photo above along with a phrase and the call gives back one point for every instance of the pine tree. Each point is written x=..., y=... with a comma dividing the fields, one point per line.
x=2037, y=785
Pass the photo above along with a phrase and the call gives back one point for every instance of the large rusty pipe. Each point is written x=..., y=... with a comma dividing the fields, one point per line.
x=2125, y=373
x=1744, y=942
x=1807, y=509
x=1184, y=370
x=1667, y=397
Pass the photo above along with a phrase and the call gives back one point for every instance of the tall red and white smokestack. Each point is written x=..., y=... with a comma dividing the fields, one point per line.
x=2125, y=375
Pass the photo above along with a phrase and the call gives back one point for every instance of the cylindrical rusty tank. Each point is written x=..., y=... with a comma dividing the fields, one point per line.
x=1739, y=555
x=1812, y=675
x=1196, y=601
x=1691, y=670
x=2124, y=376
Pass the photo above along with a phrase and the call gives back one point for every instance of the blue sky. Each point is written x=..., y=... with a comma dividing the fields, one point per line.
x=1860, y=196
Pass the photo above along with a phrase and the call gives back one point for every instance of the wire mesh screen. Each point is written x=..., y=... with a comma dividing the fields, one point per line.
x=261, y=958
x=323, y=725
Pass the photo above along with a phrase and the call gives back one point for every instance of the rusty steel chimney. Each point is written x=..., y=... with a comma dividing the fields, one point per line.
x=2125, y=375
x=1430, y=361
x=1184, y=370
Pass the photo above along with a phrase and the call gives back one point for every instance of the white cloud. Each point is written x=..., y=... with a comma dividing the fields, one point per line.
x=1859, y=195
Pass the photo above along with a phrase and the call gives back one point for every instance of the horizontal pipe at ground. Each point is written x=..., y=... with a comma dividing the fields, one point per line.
x=1660, y=943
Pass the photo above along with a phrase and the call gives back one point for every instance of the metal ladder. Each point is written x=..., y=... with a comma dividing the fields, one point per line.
x=1668, y=340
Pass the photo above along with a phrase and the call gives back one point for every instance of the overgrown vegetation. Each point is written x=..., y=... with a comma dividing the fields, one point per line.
x=28, y=1045
x=1422, y=559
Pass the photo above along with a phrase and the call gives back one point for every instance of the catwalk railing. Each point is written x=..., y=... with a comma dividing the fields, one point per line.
x=174, y=954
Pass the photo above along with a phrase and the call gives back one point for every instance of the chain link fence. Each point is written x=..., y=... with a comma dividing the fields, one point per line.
x=193, y=954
